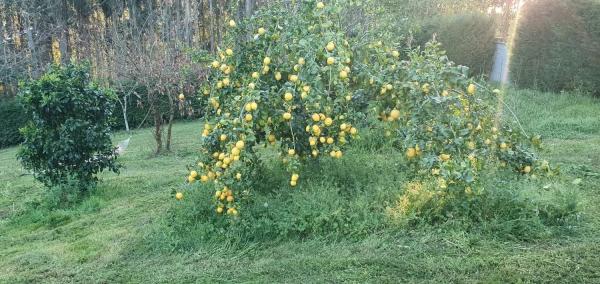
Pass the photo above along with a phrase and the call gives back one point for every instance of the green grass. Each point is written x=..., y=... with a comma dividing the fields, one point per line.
x=332, y=228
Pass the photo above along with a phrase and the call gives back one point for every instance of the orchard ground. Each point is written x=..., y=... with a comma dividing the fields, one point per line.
x=133, y=230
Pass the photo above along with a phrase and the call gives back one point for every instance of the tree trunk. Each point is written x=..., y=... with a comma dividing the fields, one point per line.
x=249, y=7
x=31, y=44
x=63, y=30
x=157, y=124
x=169, y=131
x=171, y=117
x=212, y=30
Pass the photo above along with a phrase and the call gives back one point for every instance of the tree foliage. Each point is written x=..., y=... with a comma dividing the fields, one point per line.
x=557, y=46
x=67, y=137
x=294, y=80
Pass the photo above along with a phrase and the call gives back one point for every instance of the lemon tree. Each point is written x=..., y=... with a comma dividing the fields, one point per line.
x=446, y=123
x=281, y=79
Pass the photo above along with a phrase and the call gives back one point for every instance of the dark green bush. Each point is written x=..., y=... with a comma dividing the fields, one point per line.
x=469, y=39
x=67, y=138
x=558, y=46
x=12, y=118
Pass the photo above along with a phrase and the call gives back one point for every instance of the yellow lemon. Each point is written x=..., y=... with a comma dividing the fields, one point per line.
x=330, y=46
x=238, y=176
x=240, y=144
x=223, y=137
x=261, y=31
x=320, y=5
x=330, y=61
x=343, y=74
x=295, y=177
x=315, y=117
x=395, y=114
x=395, y=53
x=278, y=76
x=232, y=23
x=444, y=157
x=219, y=210
x=287, y=116
x=255, y=75
x=316, y=129
x=328, y=121
x=288, y=97
x=267, y=61
x=527, y=169
x=293, y=78
x=291, y=152
x=229, y=51
x=215, y=64
x=330, y=140
x=411, y=153
x=248, y=117
x=179, y=196
x=471, y=89
x=301, y=61
x=251, y=86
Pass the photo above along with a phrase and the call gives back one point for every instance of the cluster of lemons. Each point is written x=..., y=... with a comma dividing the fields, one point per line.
x=297, y=93
x=272, y=90
x=445, y=123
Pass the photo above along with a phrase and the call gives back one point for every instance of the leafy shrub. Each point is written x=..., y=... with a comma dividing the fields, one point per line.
x=556, y=48
x=469, y=39
x=445, y=122
x=67, y=137
x=12, y=117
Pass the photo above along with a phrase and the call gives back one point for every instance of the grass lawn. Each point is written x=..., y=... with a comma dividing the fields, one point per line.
x=124, y=231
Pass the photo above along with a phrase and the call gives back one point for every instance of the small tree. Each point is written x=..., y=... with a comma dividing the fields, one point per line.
x=67, y=139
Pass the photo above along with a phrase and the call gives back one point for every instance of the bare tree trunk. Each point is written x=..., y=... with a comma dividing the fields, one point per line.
x=249, y=7
x=212, y=30
x=63, y=39
x=157, y=123
x=169, y=131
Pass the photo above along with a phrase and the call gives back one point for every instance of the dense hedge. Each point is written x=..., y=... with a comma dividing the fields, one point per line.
x=469, y=39
x=12, y=118
x=558, y=46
